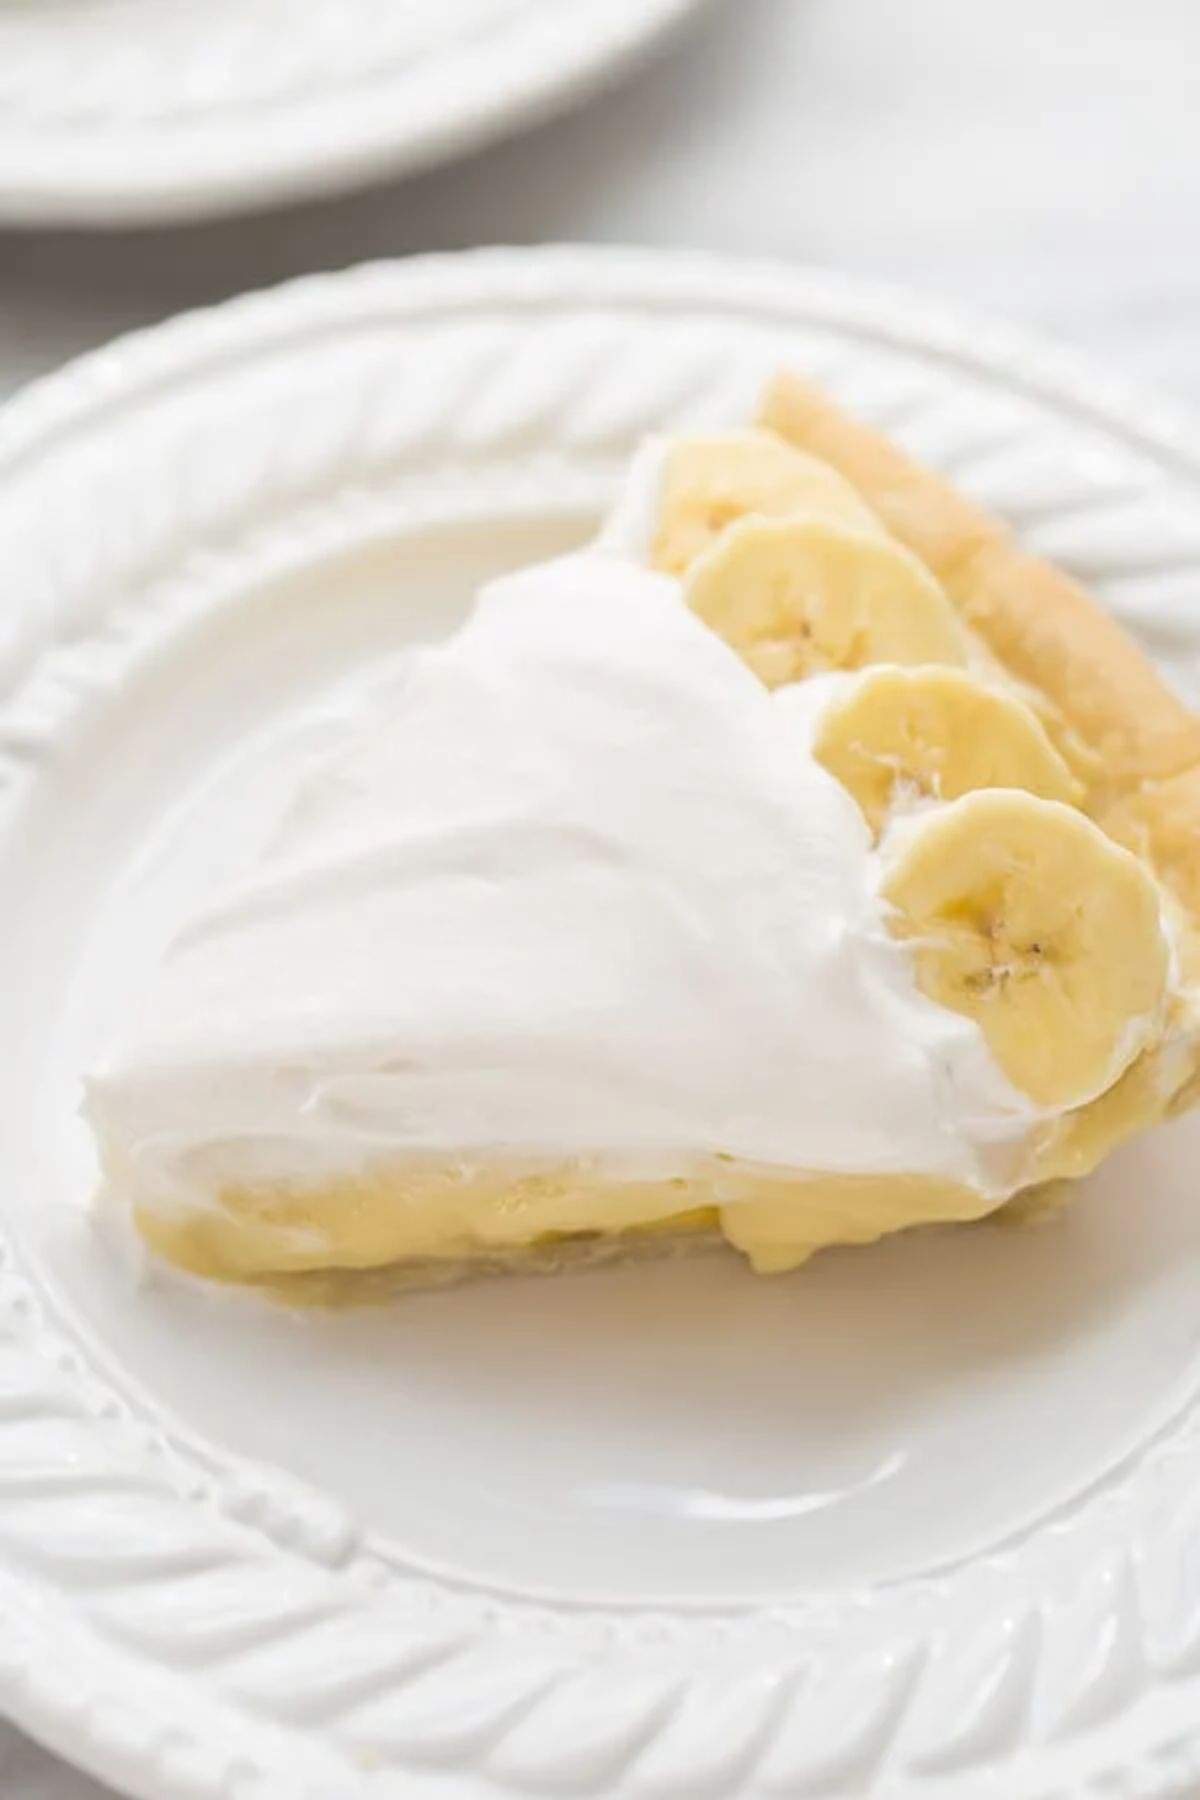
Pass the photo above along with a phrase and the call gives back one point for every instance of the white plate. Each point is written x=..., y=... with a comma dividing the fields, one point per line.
x=137, y=111
x=921, y=1520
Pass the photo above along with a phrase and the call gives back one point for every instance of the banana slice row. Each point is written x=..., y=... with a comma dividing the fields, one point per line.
x=1021, y=914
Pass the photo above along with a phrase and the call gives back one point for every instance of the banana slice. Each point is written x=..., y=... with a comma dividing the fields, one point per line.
x=938, y=733
x=1026, y=918
x=795, y=597
x=710, y=483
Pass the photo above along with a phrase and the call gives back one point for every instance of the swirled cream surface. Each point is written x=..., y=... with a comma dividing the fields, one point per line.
x=583, y=893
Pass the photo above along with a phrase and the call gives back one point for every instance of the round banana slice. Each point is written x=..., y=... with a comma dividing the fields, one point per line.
x=934, y=733
x=796, y=597
x=1026, y=918
x=710, y=483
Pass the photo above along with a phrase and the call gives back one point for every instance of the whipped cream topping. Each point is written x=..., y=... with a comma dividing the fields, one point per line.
x=584, y=892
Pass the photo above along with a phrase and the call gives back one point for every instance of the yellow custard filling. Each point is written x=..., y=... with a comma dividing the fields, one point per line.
x=439, y=1213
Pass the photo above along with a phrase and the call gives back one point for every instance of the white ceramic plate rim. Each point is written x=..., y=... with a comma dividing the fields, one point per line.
x=57, y=1688
x=398, y=118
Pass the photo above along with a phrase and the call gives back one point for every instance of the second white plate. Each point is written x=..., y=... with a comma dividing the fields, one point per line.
x=145, y=111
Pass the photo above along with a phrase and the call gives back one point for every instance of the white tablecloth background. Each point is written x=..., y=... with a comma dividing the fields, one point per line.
x=1037, y=158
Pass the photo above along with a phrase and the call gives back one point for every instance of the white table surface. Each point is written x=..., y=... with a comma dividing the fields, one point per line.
x=1038, y=159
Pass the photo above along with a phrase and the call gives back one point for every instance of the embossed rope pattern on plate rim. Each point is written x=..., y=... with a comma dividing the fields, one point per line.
x=519, y=285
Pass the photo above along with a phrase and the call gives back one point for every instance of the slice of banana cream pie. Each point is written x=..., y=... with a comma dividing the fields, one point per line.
x=797, y=863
